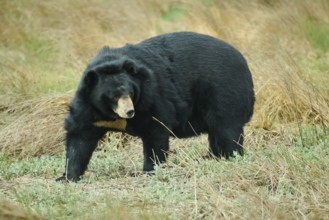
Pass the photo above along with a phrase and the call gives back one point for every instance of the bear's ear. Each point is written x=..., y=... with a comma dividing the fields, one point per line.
x=130, y=67
x=90, y=78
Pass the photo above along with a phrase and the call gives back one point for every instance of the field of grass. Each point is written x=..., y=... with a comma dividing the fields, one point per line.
x=44, y=47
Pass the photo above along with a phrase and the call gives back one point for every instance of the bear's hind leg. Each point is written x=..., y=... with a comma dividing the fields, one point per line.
x=213, y=146
x=224, y=141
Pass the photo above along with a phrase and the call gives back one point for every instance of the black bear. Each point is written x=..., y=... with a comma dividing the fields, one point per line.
x=180, y=84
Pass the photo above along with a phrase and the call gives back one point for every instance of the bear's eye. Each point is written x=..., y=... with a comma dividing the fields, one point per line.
x=115, y=98
x=131, y=70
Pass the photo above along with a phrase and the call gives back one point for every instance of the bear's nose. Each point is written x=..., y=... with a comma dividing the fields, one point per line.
x=130, y=113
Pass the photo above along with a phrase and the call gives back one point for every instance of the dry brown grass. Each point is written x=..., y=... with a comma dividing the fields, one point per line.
x=38, y=128
x=11, y=211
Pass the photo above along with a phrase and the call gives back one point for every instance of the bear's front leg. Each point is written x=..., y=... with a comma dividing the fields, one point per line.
x=155, y=149
x=79, y=149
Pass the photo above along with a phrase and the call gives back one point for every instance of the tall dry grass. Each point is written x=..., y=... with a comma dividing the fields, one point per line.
x=37, y=129
x=45, y=45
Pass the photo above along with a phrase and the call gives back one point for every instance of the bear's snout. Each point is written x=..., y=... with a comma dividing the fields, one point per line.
x=125, y=107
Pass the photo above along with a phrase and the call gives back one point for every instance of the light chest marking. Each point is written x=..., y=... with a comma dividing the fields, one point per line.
x=119, y=124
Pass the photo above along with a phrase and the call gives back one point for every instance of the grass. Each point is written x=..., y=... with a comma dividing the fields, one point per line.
x=317, y=34
x=44, y=47
x=268, y=182
x=173, y=13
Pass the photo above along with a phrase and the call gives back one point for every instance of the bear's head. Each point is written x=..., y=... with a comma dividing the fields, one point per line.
x=114, y=87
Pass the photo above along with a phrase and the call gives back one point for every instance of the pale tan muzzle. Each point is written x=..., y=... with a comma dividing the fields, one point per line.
x=125, y=107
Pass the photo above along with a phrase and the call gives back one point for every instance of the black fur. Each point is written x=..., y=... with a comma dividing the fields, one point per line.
x=191, y=83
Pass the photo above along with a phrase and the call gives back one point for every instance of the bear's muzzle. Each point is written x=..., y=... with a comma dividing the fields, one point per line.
x=125, y=107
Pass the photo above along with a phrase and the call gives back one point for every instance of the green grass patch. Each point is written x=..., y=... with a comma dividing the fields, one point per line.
x=174, y=12
x=40, y=49
x=58, y=81
x=318, y=34
x=310, y=135
x=206, y=2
